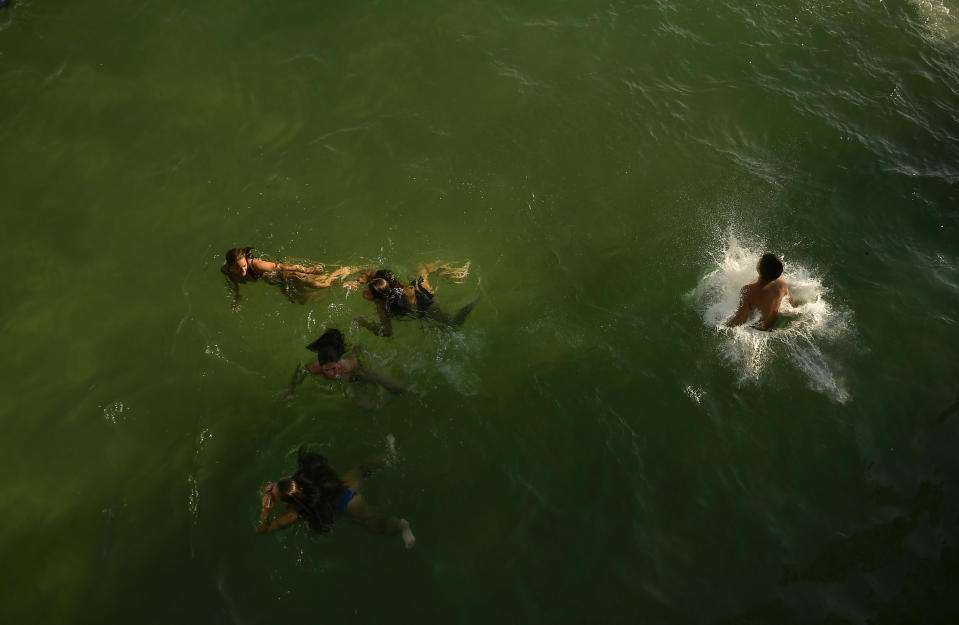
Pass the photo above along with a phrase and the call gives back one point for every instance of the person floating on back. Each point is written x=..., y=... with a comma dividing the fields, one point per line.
x=317, y=495
x=765, y=294
x=243, y=266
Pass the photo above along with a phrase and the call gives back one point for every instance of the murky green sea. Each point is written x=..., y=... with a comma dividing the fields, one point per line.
x=590, y=447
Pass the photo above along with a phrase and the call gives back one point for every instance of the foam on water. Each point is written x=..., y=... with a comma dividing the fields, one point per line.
x=799, y=335
x=938, y=18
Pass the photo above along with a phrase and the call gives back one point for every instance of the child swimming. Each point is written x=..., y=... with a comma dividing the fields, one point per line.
x=317, y=495
x=765, y=294
x=394, y=299
x=242, y=266
x=333, y=362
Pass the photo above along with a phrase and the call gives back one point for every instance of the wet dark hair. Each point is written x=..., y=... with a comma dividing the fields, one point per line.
x=233, y=256
x=390, y=278
x=380, y=288
x=400, y=298
x=330, y=347
x=770, y=267
x=314, y=491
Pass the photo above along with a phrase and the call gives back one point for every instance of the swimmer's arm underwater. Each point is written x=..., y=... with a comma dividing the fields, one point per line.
x=265, y=527
x=383, y=328
x=299, y=374
x=354, y=285
x=265, y=266
x=235, y=288
x=316, y=269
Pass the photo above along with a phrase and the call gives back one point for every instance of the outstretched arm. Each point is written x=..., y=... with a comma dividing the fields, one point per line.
x=315, y=269
x=265, y=266
x=742, y=314
x=354, y=285
x=235, y=288
x=383, y=328
x=423, y=273
x=299, y=374
x=265, y=526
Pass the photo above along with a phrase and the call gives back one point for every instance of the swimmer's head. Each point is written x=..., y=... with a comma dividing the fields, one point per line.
x=389, y=276
x=237, y=261
x=288, y=491
x=769, y=267
x=331, y=370
x=329, y=349
x=378, y=288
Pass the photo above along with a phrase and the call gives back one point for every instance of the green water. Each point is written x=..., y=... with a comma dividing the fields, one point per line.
x=589, y=448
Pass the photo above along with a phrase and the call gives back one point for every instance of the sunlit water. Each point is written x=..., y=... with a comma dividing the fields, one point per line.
x=593, y=445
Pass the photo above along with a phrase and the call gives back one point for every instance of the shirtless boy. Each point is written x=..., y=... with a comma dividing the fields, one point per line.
x=766, y=294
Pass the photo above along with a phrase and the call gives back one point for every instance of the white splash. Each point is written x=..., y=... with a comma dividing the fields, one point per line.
x=695, y=394
x=193, y=501
x=938, y=18
x=798, y=336
x=113, y=413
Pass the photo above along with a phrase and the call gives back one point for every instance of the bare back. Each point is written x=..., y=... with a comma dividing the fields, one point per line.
x=766, y=298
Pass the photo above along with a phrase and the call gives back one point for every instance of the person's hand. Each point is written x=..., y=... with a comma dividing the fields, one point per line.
x=361, y=322
x=352, y=285
x=317, y=269
x=284, y=394
x=236, y=307
x=267, y=501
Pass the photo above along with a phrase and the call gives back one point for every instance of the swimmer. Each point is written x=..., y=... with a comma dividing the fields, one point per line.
x=317, y=495
x=765, y=294
x=333, y=362
x=394, y=299
x=242, y=266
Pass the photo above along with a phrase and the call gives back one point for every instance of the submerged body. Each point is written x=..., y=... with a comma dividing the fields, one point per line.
x=317, y=495
x=335, y=363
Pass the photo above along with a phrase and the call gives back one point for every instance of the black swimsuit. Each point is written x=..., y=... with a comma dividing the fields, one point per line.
x=397, y=304
x=251, y=271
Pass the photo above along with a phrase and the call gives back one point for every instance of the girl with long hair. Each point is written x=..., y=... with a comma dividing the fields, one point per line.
x=317, y=495
x=395, y=299
x=243, y=266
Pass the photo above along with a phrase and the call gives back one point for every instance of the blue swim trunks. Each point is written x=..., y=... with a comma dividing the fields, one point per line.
x=345, y=500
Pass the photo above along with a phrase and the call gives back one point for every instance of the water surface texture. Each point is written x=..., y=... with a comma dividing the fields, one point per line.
x=593, y=446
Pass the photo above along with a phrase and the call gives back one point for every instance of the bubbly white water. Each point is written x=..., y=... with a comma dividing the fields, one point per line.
x=800, y=333
x=938, y=17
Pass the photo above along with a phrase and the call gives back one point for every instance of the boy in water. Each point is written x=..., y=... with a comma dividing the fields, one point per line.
x=766, y=294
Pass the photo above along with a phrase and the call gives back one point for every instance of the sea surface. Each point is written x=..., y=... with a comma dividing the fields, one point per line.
x=593, y=445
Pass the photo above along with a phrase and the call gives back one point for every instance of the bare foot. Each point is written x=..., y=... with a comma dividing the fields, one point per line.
x=408, y=539
x=465, y=310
